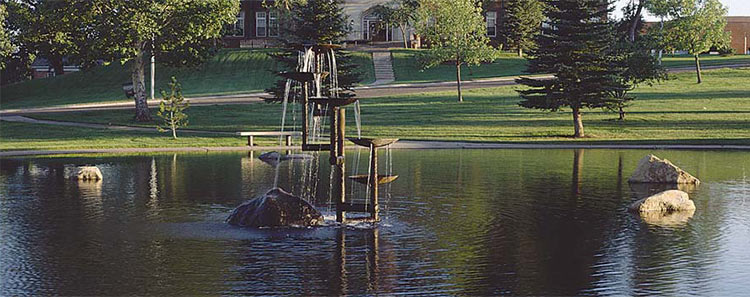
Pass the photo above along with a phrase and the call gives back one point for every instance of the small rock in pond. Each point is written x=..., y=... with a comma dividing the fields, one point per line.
x=665, y=202
x=276, y=208
x=88, y=173
x=651, y=169
x=274, y=157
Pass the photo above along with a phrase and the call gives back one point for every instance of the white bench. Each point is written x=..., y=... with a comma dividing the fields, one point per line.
x=288, y=136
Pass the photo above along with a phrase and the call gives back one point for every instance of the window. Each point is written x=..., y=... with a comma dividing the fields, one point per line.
x=261, y=27
x=491, y=23
x=273, y=23
x=238, y=28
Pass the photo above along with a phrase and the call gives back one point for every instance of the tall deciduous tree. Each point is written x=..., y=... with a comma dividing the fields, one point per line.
x=6, y=48
x=456, y=32
x=523, y=20
x=698, y=25
x=177, y=32
x=576, y=49
x=318, y=22
x=398, y=13
x=48, y=29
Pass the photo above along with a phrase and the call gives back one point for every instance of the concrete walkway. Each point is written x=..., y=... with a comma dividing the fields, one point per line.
x=406, y=144
x=371, y=91
x=383, y=67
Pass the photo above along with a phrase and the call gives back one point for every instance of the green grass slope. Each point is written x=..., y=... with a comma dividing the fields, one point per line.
x=406, y=68
x=678, y=111
x=231, y=71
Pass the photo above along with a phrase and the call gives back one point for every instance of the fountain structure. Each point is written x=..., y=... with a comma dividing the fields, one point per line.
x=314, y=85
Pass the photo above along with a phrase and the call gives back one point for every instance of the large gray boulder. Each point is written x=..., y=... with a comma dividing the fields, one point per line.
x=276, y=208
x=665, y=202
x=88, y=173
x=651, y=169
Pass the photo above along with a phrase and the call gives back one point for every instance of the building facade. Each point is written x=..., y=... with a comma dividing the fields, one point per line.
x=258, y=26
x=739, y=26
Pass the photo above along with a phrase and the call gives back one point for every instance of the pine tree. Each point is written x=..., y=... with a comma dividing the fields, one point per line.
x=316, y=22
x=523, y=19
x=574, y=46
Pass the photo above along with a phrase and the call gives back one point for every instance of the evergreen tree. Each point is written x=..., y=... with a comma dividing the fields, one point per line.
x=523, y=20
x=575, y=48
x=316, y=22
x=634, y=61
x=172, y=109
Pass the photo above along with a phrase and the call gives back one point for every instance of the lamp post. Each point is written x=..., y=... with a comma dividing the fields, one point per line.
x=153, y=67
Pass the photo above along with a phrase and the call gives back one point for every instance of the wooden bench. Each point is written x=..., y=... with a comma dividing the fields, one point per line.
x=288, y=135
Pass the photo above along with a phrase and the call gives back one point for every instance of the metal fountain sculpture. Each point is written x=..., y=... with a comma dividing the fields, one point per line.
x=310, y=75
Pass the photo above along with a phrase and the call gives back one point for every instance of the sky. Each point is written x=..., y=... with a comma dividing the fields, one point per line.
x=736, y=8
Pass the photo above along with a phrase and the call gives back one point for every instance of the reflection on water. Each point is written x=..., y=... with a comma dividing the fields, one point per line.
x=539, y=222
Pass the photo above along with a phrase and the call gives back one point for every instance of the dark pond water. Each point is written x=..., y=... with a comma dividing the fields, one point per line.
x=457, y=222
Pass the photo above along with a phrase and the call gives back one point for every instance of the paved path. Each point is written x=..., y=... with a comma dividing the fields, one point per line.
x=381, y=60
x=371, y=91
x=399, y=145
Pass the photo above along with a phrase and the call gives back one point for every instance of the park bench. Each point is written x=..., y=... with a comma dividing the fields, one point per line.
x=288, y=135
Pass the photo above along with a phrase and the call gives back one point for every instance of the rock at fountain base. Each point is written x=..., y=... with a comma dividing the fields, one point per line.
x=88, y=173
x=276, y=208
x=651, y=169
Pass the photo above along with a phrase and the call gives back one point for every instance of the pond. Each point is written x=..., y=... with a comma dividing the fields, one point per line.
x=456, y=222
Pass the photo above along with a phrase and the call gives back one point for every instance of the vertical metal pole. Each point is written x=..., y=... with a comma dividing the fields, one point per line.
x=305, y=115
x=153, y=67
x=374, y=182
x=340, y=167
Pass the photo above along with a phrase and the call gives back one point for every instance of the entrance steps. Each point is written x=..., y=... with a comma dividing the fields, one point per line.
x=383, y=67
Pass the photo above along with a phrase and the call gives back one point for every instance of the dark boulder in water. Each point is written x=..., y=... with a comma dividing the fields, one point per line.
x=276, y=208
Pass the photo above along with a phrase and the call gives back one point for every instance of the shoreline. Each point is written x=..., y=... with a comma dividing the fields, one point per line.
x=406, y=145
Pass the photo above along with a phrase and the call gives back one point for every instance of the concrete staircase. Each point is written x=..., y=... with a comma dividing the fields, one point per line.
x=383, y=67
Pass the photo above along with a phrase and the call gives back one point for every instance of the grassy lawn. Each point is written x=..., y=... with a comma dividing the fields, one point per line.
x=407, y=69
x=670, y=61
x=231, y=71
x=679, y=111
x=20, y=136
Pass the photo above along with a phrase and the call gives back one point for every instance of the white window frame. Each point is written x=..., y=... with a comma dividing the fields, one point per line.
x=241, y=22
x=491, y=22
x=261, y=24
x=273, y=23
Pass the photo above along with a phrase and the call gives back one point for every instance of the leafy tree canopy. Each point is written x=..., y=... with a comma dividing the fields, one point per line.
x=456, y=32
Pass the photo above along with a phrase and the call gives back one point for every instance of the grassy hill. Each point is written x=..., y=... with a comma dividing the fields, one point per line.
x=677, y=111
x=407, y=69
x=231, y=71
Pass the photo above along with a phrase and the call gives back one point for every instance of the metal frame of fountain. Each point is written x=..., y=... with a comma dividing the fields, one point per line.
x=334, y=107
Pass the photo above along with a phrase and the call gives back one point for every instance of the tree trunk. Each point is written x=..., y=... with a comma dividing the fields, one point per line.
x=57, y=64
x=458, y=81
x=578, y=122
x=403, y=35
x=142, y=114
x=698, y=68
x=635, y=20
x=520, y=52
x=622, y=114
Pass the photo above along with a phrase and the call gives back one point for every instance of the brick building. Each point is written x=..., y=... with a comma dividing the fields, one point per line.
x=740, y=28
x=257, y=26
